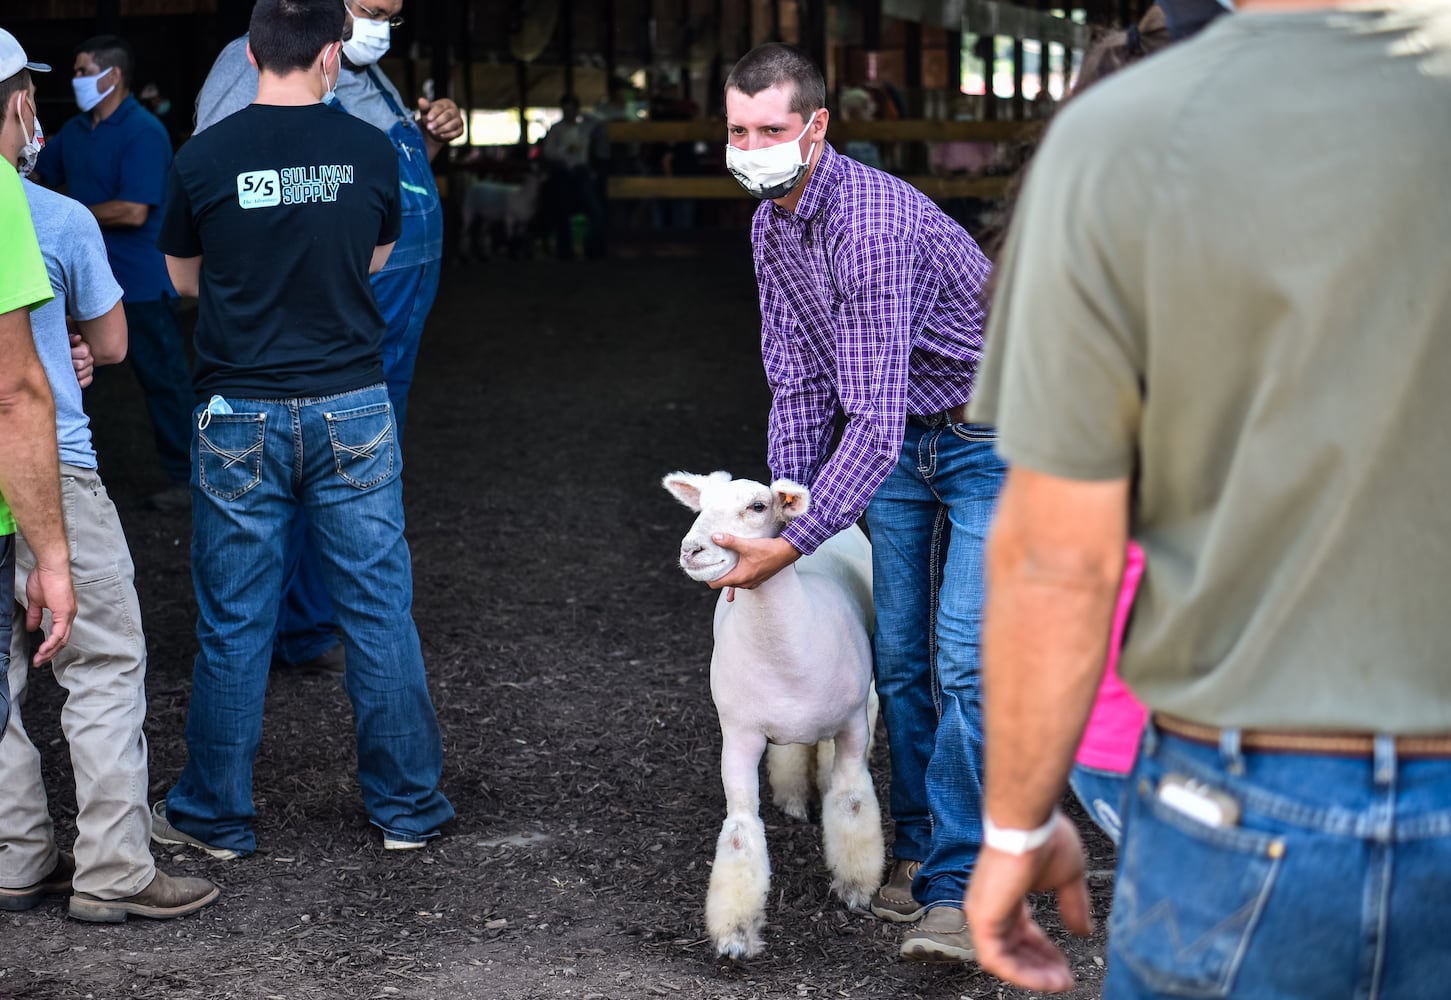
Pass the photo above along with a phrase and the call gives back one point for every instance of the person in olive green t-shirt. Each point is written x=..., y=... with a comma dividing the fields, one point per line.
x=29, y=461
x=1223, y=327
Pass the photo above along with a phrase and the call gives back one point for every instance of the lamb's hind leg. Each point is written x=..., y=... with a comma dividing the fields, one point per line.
x=788, y=769
x=735, y=906
x=851, y=823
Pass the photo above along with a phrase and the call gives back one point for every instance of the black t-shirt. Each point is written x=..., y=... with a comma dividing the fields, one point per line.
x=284, y=205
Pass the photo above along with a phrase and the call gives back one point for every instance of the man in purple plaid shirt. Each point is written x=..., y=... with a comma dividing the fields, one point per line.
x=872, y=306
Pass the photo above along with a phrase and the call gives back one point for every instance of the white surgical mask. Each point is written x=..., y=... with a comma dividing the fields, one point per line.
x=88, y=92
x=369, y=42
x=771, y=172
x=30, y=152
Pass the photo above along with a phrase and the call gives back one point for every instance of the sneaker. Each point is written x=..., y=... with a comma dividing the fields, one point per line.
x=941, y=936
x=402, y=844
x=164, y=833
x=165, y=897
x=894, y=901
x=58, y=882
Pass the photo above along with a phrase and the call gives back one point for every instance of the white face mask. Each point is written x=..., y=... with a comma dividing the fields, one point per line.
x=30, y=152
x=771, y=172
x=88, y=92
x=369, y=42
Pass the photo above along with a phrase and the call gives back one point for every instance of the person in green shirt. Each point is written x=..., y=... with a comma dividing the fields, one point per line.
x=29, y=460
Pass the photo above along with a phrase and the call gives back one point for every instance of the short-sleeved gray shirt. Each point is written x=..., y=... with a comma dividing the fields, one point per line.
x=1228, y=281
x=80, y=276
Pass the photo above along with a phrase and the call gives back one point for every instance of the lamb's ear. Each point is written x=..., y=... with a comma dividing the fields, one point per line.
x=685, y=487
x=792, y=499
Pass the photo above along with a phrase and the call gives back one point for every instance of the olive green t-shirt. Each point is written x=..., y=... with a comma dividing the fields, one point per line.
x=24, y=283
x=1230, y=281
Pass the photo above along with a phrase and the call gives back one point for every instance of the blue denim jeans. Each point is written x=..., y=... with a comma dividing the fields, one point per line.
x=306, y=624
x=1101, y=794
x=1334, y=881
x=928, y=522
x=337, y=457
x=157, y=356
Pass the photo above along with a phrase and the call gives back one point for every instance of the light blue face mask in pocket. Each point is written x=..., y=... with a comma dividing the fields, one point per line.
x=214, y=405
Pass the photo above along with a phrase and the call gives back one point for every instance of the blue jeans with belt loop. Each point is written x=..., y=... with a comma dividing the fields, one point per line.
x=928, y=522
x=337, y=457
x=306, y=624
x=1326, y=876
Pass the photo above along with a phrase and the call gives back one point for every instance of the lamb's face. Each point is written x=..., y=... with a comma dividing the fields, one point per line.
x=740, y=507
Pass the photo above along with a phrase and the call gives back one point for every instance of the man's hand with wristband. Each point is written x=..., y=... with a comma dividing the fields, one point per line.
x=1013, y=863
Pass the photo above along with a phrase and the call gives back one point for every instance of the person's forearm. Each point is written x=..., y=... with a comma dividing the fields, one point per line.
x=120, y=214
x=1045, y=636
x=29, y=464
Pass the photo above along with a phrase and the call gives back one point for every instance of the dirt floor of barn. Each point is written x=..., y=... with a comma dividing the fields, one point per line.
x=568, y=658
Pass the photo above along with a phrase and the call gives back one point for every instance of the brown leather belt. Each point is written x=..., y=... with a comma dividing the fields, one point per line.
x=956, y=415
x=1341, y=744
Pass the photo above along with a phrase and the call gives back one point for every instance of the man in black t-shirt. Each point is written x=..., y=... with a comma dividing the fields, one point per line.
x=275, y=218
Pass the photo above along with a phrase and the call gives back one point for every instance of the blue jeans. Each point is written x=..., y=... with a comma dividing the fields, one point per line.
x=1335, y=881
x=158, y=358
x=337, y=457
x=306, y=624
x=1101, y=794
x=928, y=522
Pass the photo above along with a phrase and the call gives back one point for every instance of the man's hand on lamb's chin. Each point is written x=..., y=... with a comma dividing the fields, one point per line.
x=760, y=559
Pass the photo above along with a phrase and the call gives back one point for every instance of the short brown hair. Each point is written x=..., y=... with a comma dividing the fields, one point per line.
x=771, y=64
x=18, y=83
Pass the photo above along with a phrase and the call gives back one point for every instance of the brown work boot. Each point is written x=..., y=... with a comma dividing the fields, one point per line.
x=164, y=898
x=56, y=883
x=894, y=901
x=941, y=936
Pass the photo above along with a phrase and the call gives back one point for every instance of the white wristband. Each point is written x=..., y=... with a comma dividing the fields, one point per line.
x=1017, y=842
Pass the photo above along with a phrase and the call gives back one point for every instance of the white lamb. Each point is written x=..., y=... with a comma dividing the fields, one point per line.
x=792, y=665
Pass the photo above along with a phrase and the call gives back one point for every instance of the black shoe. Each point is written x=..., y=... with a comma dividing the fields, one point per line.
x=170, y=500
x=330, y=663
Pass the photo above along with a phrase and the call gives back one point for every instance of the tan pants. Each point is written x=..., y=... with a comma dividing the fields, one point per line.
x=103, y=670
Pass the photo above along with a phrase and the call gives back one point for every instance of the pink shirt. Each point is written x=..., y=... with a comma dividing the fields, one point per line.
x=1111, y=738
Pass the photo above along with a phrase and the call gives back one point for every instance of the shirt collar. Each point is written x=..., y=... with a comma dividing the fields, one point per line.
x=824, y=177
x=123, y=110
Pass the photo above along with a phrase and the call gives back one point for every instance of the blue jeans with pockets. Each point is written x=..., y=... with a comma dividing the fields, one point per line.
x=1327, y=876
x=336, y=457
x=928, y=522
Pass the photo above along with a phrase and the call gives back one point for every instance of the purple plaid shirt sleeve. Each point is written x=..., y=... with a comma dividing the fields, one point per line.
x=875, y=277
x=870, y=301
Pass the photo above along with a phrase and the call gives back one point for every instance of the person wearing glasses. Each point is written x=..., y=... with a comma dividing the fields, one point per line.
x=405, y=288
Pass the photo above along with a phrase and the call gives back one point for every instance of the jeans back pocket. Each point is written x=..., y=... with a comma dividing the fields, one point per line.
x=362, y=443
x=229, y=453
x=1188, y=897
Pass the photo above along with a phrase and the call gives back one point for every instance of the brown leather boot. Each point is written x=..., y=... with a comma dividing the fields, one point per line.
x=894, y=901
x=941, y=936
x=56, y=883
x=164, y=898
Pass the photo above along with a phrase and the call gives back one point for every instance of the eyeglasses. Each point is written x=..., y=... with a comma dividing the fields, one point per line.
x=395, y=21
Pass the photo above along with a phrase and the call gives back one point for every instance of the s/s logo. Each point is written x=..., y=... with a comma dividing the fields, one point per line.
x=259, y=189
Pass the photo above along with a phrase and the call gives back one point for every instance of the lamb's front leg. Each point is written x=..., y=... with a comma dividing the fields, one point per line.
x=735, y=906
x=851, y=823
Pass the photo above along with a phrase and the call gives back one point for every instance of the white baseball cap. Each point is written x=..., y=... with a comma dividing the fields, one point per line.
x=13, y=58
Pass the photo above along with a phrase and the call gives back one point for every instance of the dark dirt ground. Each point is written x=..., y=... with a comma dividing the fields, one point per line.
x=569, y=664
